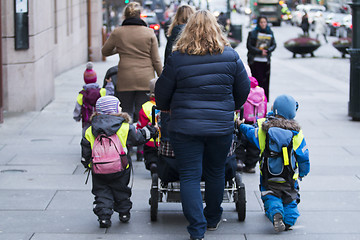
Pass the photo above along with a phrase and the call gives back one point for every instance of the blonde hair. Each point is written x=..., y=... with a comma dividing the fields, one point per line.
x=202, y=34
x=152, y=87
x=133, y=9
x=182, y=16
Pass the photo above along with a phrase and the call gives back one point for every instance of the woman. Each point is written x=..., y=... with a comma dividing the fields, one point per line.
x=260, y=44
x=181, y=17
x=137, y=47
x=203, y=82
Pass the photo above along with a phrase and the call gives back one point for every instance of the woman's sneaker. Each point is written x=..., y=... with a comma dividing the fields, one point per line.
x=104, y=223
x=213, y=227
x=278, y=222
x=124, y=217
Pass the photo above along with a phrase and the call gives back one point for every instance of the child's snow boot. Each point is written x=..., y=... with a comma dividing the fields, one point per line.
x=124, y=217
x=104, y=223
x=278, y=222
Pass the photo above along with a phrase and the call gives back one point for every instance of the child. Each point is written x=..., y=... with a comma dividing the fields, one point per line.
x=109, y=125
x=254, y=108
x=145, y=118
x=85, y=102
x=283, y=150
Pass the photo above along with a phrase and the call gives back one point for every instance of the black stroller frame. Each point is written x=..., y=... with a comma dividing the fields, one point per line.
x=170, y=191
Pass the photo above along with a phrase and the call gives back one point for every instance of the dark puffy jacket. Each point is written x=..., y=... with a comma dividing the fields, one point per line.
x=202, y=92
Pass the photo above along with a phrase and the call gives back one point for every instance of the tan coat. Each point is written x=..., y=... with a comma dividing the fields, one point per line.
x=137, y=47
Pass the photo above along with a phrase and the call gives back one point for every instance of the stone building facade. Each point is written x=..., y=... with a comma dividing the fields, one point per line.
x=59, y=34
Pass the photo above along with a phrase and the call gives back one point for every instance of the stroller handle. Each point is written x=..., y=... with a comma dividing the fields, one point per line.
x=153, y=122
x=241, y=112
x=153, y=117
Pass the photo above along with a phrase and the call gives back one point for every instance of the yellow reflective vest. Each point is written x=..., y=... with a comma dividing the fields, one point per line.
x=297, y=139
x=79, y=98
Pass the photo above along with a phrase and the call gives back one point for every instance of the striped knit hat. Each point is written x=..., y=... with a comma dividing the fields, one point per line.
x=108, y=105
x=90, y=74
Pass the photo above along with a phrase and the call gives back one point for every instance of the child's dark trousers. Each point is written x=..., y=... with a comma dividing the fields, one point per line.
x=112, y=193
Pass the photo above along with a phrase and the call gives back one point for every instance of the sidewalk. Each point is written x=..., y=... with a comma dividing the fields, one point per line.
x=43, y=195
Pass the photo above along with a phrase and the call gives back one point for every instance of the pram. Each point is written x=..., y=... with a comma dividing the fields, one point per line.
x=165, y=185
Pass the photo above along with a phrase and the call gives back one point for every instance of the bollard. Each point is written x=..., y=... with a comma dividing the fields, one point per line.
x=354, y=103
x=354, y=96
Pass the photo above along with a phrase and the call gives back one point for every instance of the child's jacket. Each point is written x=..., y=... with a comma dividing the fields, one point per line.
x=110, y=125
x=145, y=117
x=108, y=90
x=258, y=137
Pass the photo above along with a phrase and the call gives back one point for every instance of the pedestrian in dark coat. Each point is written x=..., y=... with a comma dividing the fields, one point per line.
x=260, y=44
x=305, y=25
x=203, y=82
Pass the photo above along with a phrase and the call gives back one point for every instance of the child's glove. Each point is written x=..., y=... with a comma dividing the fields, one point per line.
x=239, y=121
x=152, y=130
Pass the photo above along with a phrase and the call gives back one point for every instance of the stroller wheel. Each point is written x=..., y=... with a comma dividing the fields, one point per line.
x=154, y=197
x=240, y=199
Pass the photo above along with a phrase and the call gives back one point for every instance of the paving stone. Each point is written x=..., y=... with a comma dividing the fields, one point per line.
x=25, y=199
x=16, y=236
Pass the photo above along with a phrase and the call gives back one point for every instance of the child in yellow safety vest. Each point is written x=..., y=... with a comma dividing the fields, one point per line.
x=284, y=159
x=104, y=151
x=87, y=97
x=145, y=118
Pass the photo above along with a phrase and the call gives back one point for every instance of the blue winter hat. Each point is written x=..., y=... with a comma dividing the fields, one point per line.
x=285, y=106
x=108, y=105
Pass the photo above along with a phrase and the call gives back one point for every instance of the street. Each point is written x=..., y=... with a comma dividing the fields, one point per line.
x=42, y=190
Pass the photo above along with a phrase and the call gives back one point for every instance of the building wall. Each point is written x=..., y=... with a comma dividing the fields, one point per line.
x=58, y=41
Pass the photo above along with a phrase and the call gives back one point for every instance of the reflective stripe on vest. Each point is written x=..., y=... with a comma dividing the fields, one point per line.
x=122, y=133
x=79, y=98
x=147, y=107
x=261, y=135
x=297, y=139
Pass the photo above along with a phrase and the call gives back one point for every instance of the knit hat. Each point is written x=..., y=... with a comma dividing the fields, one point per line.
x=108, y=105
x=90, y=74
x=285, y=106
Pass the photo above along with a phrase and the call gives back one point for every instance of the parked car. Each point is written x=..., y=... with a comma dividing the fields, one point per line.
x=152, y=21
x=334, y=21
x=345, y=29
x=310, y=9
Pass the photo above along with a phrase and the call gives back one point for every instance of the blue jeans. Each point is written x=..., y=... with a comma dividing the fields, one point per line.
x=199, y=157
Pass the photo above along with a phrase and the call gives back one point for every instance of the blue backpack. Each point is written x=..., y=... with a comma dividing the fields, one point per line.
x=278, y=162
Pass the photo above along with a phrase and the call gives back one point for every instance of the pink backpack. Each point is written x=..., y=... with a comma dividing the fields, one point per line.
x=108, y=155
x=255, y=106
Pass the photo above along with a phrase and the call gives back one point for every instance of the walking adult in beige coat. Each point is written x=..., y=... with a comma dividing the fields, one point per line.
x=137, y=47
